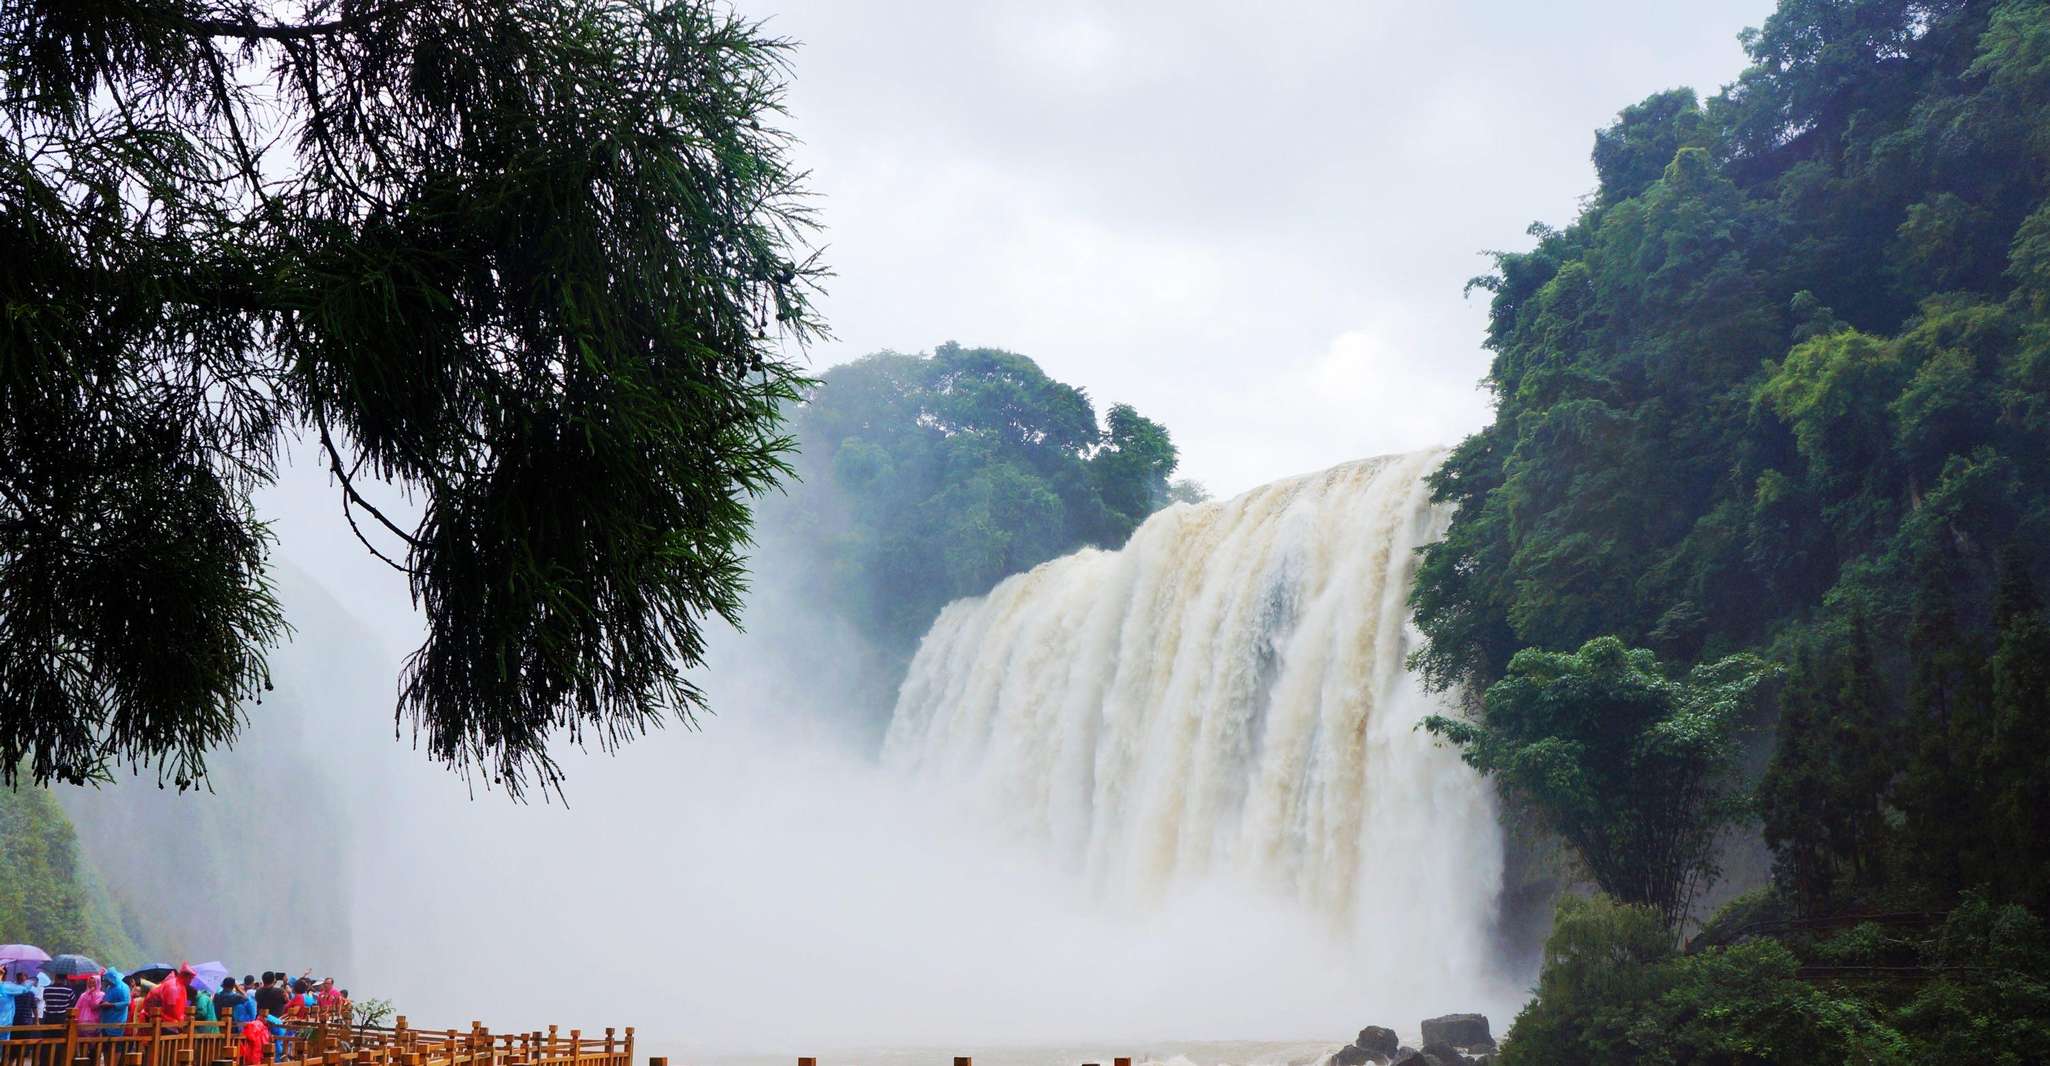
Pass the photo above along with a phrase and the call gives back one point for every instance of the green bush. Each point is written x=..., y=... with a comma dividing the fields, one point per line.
x=1612, y=992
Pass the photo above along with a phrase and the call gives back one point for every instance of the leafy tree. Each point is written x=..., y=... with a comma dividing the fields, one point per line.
x=1186, y=490
x=1132, y=469
x=51, y=895
x=1780, y=389
x=1633, y=153
x=930, y=478
x=1613, y=993
x=1824, y=796
x=1634, y=770
x=519, y=259
x=1784, y=394
x=1591, y=983
x=2015, y=761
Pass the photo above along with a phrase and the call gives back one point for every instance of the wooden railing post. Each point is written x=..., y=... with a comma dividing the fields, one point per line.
x=963, y=1060
x=1121, y=1061
x=630, y=1047
x=807, y=1062
x=576, y=1046
x=71, y=1038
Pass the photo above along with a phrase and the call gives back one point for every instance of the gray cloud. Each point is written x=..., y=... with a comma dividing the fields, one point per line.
x=1252, y=221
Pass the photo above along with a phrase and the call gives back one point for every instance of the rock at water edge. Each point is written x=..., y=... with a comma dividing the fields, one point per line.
x=1378, y=1041
x=1444, y=1054
x=1350, y=1055
x=1458, y=1030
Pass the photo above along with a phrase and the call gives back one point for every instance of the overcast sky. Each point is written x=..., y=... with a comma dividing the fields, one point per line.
x=1251, y=221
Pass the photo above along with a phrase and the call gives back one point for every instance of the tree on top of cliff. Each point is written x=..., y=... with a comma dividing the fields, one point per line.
x=929, y=478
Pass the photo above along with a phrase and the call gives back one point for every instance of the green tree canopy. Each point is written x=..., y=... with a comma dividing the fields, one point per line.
x=51, y=896
x=1781, y=387
x=1636, y=771
x=520, y=258
x=930, y=478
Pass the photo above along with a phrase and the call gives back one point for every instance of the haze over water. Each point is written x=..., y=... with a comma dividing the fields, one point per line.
x=767, y=884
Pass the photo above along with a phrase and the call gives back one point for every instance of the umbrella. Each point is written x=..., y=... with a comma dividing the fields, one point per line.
x=154, y=973
x=209, y=975
x=20, y=960
x=24, y=955
x=70, y=966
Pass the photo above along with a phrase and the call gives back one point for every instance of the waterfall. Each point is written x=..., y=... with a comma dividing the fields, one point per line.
x=1225, y=698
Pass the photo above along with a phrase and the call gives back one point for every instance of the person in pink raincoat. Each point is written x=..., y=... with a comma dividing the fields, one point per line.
x=88, y=1007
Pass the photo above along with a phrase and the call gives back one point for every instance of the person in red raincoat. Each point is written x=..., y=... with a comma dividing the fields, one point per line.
x=171, y=1001
x=254, y=1045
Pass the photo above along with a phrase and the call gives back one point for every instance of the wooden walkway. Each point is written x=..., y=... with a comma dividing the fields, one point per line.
x=326, y=1043
x=311, y=1043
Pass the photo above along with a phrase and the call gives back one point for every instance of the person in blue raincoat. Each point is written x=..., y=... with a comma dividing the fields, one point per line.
x=10, y=988
x=114, y=1007
x=280, y=1037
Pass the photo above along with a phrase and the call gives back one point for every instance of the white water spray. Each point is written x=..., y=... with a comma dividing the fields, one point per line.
x=1225, y=699
x=1212, y=725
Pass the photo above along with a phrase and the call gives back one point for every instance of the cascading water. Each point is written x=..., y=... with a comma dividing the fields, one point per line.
x=1226, y=698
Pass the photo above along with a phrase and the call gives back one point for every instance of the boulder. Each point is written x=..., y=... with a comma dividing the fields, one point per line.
x=1442, y=1054
x=1408, y=1056
x=1378, y=1040
x=1458, y=1030
x=1351, y=1055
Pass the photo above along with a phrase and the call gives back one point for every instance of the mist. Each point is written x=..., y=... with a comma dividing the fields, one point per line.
x=759, y=883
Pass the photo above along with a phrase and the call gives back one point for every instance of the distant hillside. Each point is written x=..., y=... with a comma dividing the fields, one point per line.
x=51, y=895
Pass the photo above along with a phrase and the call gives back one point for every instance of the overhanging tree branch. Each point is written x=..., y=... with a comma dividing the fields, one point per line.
x=280, y=31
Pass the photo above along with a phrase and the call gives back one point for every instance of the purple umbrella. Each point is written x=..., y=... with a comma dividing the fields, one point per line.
x=22, y=958
x=209, y=975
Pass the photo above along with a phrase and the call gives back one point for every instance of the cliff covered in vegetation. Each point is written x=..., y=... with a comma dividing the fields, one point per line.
x=1782, y=391
x=51, y=895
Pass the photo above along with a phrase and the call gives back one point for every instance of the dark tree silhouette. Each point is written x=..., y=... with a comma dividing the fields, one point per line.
x=531, y=262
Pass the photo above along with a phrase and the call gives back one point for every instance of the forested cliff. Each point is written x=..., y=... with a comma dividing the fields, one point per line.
x=52, y=894
x=1777, y=404
x=924, y=478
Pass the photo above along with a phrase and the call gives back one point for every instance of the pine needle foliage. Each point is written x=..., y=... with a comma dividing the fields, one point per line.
x=533, y=262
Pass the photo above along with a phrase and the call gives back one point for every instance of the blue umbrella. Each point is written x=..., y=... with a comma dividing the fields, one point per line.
x=70, y=966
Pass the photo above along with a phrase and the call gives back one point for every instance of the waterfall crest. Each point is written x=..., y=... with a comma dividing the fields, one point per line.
x=1226, y=697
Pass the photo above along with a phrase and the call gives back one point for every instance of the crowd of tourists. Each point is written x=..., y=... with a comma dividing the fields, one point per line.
x=258, y=1013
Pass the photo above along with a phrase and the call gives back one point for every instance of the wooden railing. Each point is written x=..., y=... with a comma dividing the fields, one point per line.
x=114, y=1044
x=403, y=1045
x=325, y=1042
x=307, y=1042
